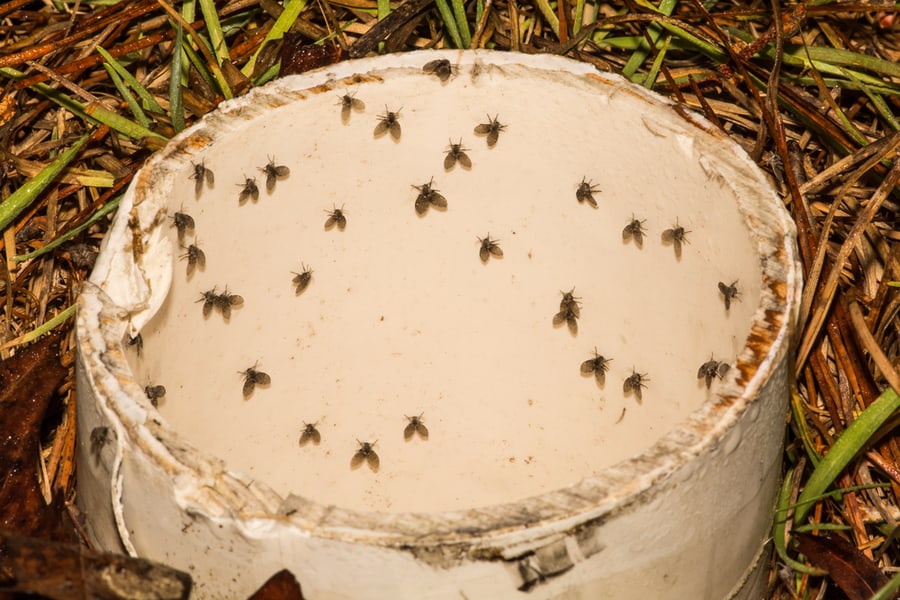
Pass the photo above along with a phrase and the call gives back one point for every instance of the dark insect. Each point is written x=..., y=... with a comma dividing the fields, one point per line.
x=99, y=438
x=635, y=383
x=712, y=369
x=252, y=378
x=274, y=173
x=389, y=121
x=729, y=292
x=301, y=280
x=456, y=152
x=491, y=129
x=570, y=302
x=250, y=190
x=195, y=256
x=182, y=222
x=585, y=192
x=366, y=453
x=415, y=426
x=200, y=174
x=634, y=229
x=568, y=315
x=336, y=217
x=428, y=196
x=82, y=255
x=440, y=67
x=489, y=248
x=138, y=343
x=348, y=104
x=208, y=298
x=224, y=302
x=155, y=393
x=596, y=366
x=675, y=236
x=310, y=434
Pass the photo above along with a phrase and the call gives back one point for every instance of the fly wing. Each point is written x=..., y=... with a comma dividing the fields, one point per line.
x=409, y=430
x=374, y=461
x=421, y=204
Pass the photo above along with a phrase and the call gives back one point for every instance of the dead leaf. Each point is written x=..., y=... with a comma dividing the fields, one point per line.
x=280, y=586
x=28, y=381
x=297, y=57
x=851, y=570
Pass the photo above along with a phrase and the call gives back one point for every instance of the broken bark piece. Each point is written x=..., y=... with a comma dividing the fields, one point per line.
x=71, y=572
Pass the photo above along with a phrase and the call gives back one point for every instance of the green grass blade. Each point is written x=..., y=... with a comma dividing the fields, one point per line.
x=850, y=442
x=102, y=212
x=119, y=123
x=382, y=10
x=135, y=108
x=449, y=22
x=198, y=64
x=292, y=10
x=847, y=58
x=549, y=15
x=176, y=101
x=877, y=101
x=28, y=193
x=462, y=23
x=780, y=527
x=47, y=327
x=146, y=97
x=94, y=114
x=887, y=592
x=800, y=422
x=650, y=78
x=214, y=29
x=638, y=57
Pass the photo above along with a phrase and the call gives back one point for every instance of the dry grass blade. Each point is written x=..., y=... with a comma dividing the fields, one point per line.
x=827, y=292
